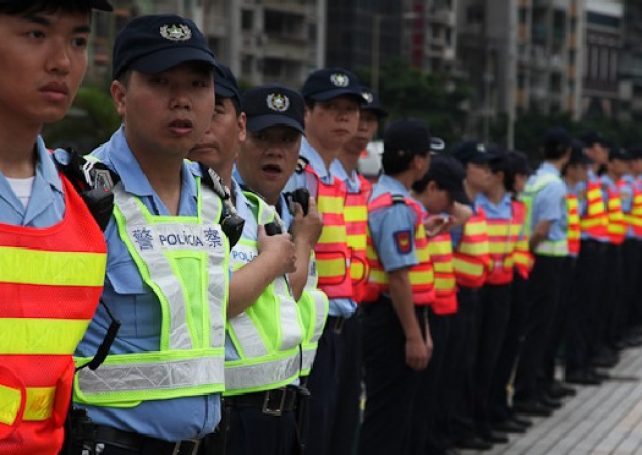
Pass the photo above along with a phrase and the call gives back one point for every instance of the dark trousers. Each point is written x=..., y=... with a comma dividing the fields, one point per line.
x=631, y=268
x=492, y=318
x=345, y=426
x=612, y=304
x=543, y=295
x=559, y=332
x=425, y=430
x=511, y=347
x=637, y=287
x=582, y=315
x=460, y=367
x=322, y=384
x=391, y=386
x=251, y=432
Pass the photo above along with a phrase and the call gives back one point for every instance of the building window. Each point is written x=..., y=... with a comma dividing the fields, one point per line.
x=247, y=19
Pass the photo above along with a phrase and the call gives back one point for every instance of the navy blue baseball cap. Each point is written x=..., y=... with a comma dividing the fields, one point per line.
x=372, y=103
x=635, y=151
x=593, y=137
x=155, y=43
x=557, y=137
x=471, y=152
x=449, y=174
x=101, y=5
x=328, y=83
x=407, y=137
x=225, y=84
x=617, y=153
x=273, y=105
x=577, y=153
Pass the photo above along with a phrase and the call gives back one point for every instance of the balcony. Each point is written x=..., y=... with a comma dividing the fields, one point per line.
x=283, y=47
x=300, y=7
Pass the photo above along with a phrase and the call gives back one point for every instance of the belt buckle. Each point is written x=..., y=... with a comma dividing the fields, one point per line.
x=338, y=325
x=278, y=411
x=180, y=445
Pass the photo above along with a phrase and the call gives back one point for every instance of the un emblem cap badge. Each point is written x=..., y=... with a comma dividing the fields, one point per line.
x=339, y=79
x=278, y=102
x=176, y=32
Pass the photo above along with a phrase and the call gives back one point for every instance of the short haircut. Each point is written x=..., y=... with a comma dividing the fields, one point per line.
x=235, y=102
x=28, y=7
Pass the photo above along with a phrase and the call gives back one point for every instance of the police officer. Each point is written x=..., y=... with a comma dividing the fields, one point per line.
x=167, y=278
x=48, y=237
x=632, y=207
x=333, y=97
x=545, y=195
x=396, y=341
x=345, y=167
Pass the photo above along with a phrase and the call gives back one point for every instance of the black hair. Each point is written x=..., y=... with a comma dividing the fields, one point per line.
x=28, y=7
x=396, y=163
x=554, y=151
x=420, y=185
x=233, y=99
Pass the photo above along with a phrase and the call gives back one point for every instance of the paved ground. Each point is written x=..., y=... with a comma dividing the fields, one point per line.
x=605, y=419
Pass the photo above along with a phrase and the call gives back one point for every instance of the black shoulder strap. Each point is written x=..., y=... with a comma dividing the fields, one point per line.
x=301, y=164
x=398, y=199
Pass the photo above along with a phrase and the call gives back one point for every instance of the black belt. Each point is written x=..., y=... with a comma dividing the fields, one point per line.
x=139, y=443
x=335, y=323
x=271, y=402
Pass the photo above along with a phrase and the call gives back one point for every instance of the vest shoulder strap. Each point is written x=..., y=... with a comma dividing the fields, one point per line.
x=301, y=164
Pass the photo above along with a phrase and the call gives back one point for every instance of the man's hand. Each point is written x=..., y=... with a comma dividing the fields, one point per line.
x=417, y=353
x=280, y=249
x=436, y=224
x=307, y=228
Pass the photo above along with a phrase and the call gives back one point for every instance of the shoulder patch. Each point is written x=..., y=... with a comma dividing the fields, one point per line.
x=398, y=199
x=301, y=164
x=402, y=241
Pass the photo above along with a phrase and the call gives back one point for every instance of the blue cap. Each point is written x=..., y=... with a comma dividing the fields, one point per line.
x=372, y=102
x=273, y=105
x=225, y=84
x=407, y=137
x=101, y=5
x=617, y=153
x=593, y=137
x=155, y=43
x=557, y=137
x=635, y=151
x=577, y=153
x=471, y=152
x=328, y=83
x=449, y=175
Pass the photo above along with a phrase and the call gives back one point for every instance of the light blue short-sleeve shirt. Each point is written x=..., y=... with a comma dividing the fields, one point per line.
x=136, y=306
x=549, y=204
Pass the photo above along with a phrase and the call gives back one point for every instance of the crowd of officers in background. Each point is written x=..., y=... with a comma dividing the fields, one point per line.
x=255, y=288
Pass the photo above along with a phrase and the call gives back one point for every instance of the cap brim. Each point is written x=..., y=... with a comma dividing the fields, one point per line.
x=378, y=111
x=261, y=122
x=165, y=59
x=101, y=5
x=223, y=91
x=459, y=195
x=330, y=94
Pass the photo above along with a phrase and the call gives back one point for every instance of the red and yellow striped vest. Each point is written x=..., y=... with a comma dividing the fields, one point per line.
x=633, y=219
x=440, y=248
x=524, y=260
x=356, y=217
x=502, y=236
x=332, y=252
x=573, y=230
x=421, y=275
x=616, y=227
x=471, y=258
x=595, y=219
x=50, y=282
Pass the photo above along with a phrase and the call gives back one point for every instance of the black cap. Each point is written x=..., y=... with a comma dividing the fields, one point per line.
x=617, y=153
x=101, y=5
x=328, y=83
x=593, y=137
x=372, y=103
x=518, y=163
x=225, y=84
x=557, y=137
x=449, y=175
x=155, y=43
x=272, y=105
x=635, y=151
x=407, y=137
x=577, y=153
x=471, y=152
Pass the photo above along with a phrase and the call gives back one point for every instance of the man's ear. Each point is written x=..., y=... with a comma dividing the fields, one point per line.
x=242, y=124
x=118, y=93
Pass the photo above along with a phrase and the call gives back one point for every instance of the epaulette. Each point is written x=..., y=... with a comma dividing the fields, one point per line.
x=398, y=199
x=301, y=164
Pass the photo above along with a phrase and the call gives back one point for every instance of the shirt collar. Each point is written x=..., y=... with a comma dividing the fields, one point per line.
x=548, y=168
x=393, y=185
x=315, y=160
x=352, y=180
x=46, y=167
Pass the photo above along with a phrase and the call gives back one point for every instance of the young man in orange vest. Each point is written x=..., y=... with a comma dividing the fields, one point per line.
x=346, y=167
x=333, y=98
x=396, y=340
x=48, y=237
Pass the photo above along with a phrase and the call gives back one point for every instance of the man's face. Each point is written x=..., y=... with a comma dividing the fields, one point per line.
x=219, y=146
x=367, y=127
x=636, y=166
x=268, y=159
x=598, y=153
x=520, y=182
x=577, y=172
x=478, y=176
x=435, y=199
x=618, y=167
x=166, y=113
x=332, y=123
x=44, y=57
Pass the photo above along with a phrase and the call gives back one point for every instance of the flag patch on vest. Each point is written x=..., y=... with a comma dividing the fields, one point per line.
x=402, y=241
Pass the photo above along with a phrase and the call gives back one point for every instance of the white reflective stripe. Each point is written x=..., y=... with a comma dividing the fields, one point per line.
x=165, y=374
x=211, y=206
x=320, y=313
x=308, y=358
x=552, y=248
x=262, y=374
x=290, y=322
x=217, y=290
x=249, y=339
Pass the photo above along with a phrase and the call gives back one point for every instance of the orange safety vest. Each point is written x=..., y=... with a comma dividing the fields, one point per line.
x=332, y=252
x=573, y=230
x=421, y=275
x=440, y=248
x=595, y=220
x=356, y=216
x=50, y=282
x=524, y=259
x=471, y=258
x=502, y=235
x=616, y=227
x=633, y=219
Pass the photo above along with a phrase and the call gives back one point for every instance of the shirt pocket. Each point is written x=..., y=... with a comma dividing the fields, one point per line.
x=133, y=303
